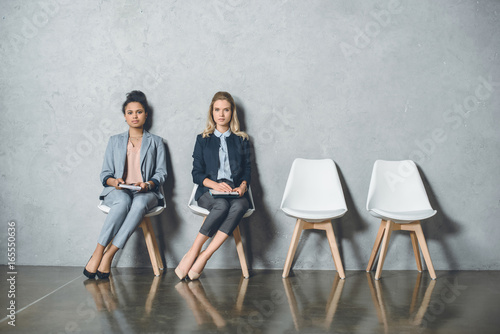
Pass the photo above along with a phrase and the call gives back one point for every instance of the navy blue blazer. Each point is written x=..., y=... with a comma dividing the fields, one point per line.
x=206, y=160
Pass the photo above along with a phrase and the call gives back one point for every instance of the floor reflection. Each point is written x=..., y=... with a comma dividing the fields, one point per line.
x=399, y=319
x=148, y=305
x=309, y=316
x=196, y=299
x=111, y=297
x=133, y=301
x=106, y=302
x=204, y=312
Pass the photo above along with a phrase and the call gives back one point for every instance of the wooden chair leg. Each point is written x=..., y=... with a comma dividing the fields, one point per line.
x=299, y=226
x=151, y=244
x=425, y=250
x=383, y=250
x=376, y=246
x=414, y=243
x=330, y=234
x=241, y=252
x=155, y=244
x=157, y=249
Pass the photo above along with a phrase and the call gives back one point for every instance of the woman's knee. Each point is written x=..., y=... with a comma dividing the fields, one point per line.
x=143, y=202
x=119, y=201
x=240, y=205
x=221, y=204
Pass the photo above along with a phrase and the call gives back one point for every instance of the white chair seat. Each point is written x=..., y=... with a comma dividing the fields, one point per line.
x=314, y=215
x=198, y=210
x=103, y=208
x=402, y=217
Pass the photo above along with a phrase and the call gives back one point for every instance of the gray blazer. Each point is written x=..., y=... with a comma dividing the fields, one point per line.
x=153, y=161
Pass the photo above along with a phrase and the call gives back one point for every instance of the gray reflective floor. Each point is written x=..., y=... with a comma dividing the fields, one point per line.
x=61, y=300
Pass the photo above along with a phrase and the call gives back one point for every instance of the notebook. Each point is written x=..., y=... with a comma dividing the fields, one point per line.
x=222, y=194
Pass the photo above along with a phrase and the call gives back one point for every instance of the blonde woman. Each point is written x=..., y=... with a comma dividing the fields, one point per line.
x=221, y=162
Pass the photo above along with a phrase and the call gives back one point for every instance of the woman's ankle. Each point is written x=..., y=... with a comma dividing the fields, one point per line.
x=200, y=262
x=188, y=260
x=93, y=263
x=105, y=265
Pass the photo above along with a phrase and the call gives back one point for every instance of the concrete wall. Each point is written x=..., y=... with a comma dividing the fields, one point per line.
x=354, y=81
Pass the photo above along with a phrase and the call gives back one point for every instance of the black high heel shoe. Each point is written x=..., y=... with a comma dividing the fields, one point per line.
x=102, y=275
x=88, y=273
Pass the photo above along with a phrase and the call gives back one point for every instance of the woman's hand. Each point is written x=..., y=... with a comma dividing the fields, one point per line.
x=116, y=182
x=223, y=186
x=143, y=185
x=242, y=189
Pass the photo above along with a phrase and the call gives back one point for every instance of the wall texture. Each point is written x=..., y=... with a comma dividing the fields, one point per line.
x=354, y=81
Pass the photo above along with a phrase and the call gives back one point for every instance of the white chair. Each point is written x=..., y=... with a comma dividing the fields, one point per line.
x=193, y=205
x=313, y=195
x=149, y=234
x=397, y=196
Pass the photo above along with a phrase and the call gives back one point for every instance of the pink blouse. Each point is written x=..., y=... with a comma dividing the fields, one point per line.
x=133, y=164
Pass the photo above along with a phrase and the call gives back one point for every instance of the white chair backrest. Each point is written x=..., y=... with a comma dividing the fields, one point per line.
x=313, y=185
x=193, y=205
x=396, y=186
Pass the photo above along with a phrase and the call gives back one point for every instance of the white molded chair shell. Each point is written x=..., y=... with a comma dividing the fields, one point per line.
x=397, y=192
x=313, y=191
x=193, y=205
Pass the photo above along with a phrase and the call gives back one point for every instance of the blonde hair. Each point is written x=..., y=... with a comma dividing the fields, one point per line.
x=234, y=124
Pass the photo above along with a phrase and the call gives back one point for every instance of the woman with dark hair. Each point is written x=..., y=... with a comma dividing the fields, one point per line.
x=133, y=158
x=221, y=162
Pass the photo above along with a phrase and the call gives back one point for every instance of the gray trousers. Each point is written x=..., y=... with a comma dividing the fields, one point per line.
x=225, y=214
x=127, y=209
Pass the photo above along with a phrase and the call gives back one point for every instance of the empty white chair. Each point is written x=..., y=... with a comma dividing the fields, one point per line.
x=149, y=235
x=397, y=196
x=313, y=195
x=193, y=205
